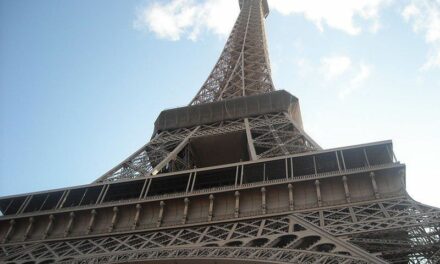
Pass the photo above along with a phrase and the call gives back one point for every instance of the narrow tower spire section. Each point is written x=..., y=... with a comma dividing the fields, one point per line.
x=243, y=68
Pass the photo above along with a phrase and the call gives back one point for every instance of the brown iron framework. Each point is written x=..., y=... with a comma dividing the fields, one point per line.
x=231, y=178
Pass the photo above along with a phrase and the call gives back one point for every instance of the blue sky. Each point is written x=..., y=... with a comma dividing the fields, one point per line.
x=81, y=82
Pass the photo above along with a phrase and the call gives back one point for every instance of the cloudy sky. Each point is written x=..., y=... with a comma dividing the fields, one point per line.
x=81, y=82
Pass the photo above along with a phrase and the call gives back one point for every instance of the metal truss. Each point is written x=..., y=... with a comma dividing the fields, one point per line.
x=230, y=254
x=399, y=229
x=276, y=135
x=396, y=229
x=142, y=162
x=280, y=239
x=271, y=135
x=243, y=67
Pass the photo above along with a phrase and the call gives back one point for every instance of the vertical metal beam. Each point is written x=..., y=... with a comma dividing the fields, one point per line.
x=185, y=210
x=83, y=196
x=69, y=224
x=188, y=184
x=318, y=193
x=346, y=190
x=25, y=204
x=136, y=217
x=250, y=140
x=161, y=212
x=237, y=204
x=314, y=165
x=93, y=214
x=343, y=159
x=114, y=219
x=237, y=168
x=263, y=200
x=373, y=183
x=148, y=188
x=291, y=202
x=241, y=174
x=194, y=181
x=44, y=202
x=144, y=186
x=49, y=226
x=291, y=168
x=211, y=207
x=337, y=161
x=29, y=228
x=104, y=193
x=366, y=157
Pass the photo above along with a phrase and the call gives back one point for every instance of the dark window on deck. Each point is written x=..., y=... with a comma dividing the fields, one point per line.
x=276, y=169
x=216, y=178
x=326, y=162
x=303, y=166
x=253, y=173
x=124, y=191
x=170, y=184
x=354, y=158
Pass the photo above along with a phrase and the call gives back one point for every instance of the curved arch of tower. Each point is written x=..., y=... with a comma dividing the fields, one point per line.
x=231, y=178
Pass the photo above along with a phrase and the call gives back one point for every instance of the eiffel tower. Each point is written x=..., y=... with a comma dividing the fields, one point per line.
x=231, y=178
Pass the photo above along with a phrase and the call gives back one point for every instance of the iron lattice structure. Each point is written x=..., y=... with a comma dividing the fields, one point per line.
x=231, y=178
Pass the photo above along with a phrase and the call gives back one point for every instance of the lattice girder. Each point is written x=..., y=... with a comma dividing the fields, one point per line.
x=216, y=237
x=273, y=135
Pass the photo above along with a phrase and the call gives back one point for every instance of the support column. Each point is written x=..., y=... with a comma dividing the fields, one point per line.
x=291, y=202
x=318, y=192
x=114, y=219
x=29, y=228
x=92, y=221
x=211, y=207
x=185, y=211
x=161, y=210
x=402, y=178
x=69, y=224
x=10, y=230
x=347, y=191
x=136, y=217
x=49, y=226
x=237, y=204
x=263, y=200
x=373, y=182
x=250, y=141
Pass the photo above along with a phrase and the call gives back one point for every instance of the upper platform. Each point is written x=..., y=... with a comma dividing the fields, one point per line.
x=231, y=109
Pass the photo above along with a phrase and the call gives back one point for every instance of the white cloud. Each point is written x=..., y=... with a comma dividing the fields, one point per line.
x=340, y=71
x=173, y=19
x=424, y=15
x=362, y=73
x=334, y=66
x=338, y=14
x=187, y=18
